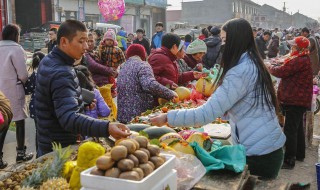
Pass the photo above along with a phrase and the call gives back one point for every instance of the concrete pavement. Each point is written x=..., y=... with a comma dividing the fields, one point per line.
x=10, y=144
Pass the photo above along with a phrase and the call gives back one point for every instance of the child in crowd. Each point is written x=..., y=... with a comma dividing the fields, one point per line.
x=86, y=82
x=30, y=86
x=111, y=55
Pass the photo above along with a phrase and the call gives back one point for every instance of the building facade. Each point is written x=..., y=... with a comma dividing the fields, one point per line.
x=269, y=17
x=217, y=12
x=138, y=14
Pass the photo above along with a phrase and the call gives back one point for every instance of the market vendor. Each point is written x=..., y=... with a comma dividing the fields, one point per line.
x=137, y=85
x=246, y=94
x=58, y=97
x=295, y=95
x=164, y=65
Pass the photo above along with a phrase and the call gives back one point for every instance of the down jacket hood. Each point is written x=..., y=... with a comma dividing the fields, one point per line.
x=212, y=41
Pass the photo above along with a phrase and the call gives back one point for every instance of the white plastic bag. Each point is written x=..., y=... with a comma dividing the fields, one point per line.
x=189, y=170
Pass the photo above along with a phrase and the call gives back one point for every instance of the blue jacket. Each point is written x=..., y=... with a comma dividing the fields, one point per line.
x=58, y=104
x=256, y=128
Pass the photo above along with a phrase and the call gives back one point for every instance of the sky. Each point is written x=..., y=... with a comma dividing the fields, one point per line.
x=310, y=8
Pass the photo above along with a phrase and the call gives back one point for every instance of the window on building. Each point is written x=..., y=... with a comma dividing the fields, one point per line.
x=233, y=7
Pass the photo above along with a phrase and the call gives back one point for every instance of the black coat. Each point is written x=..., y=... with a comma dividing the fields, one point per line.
x=211, y=57
x=145, y=43
x=58, y=104
x=261, y=45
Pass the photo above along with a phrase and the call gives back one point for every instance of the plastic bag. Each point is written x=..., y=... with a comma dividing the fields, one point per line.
x=106, y=94
x=231, y=157
x=189, y=170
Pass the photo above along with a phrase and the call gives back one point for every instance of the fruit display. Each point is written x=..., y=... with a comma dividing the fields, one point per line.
x=169, y=137
x=183, y=93
x=88, y=154
x=55, y=183
x=137, y=127
x=50, y=169
x=131, y=159
x=205, y=87
x=156, y=132
x=202, y=139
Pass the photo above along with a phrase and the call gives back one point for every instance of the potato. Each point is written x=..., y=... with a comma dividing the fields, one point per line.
x=146, y=151
x=125, y=165
x=113, y=172
x=108, y=154
x=136, y=143
x=154, y=150
x=140, y=172
x=143, y=141
x=134, y=159
x=98, y=172
x=131, y=175
x=131, y=147
x=146, y=168
x=119, y=152
x=163, y=158
x=104, y=162
x=116, y=143
x=142, y=156
x=157, y=161
x=152, y=165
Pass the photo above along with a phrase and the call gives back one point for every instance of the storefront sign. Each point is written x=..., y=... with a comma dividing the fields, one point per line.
x=136, y=2
x=156, y=3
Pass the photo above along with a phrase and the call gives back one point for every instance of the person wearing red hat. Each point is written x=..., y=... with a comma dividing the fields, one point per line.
x=137, y=86
x=294, y=95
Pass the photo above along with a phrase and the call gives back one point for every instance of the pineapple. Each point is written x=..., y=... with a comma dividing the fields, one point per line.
x=52, y=168
x=55, y=184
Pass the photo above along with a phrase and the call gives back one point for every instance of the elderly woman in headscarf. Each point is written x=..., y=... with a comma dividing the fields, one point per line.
x=294, y=95
x=137, y=86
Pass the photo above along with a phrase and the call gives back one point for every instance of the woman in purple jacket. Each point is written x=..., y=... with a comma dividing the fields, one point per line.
x=85, y=80
x=137, y=86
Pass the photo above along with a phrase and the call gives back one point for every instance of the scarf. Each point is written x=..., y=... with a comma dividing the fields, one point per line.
x=296, y=54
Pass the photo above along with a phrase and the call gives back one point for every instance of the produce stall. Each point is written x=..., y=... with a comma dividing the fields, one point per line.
x=152, y=158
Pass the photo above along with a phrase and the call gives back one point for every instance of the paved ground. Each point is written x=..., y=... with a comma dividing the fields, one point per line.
x=303, y=172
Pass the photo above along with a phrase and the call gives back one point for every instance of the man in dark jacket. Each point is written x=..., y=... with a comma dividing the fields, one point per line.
x=213, y=44
x=261, y=42
x=58, y=95
x=142, y=40
x=53, y=39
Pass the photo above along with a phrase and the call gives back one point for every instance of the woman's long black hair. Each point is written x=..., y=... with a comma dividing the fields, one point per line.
x=239, y=40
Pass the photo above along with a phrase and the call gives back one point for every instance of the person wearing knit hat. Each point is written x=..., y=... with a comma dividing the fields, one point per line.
x=137, y=86
x=108, y=37
x=195, y=51
x=136, y=50
x=111, y=56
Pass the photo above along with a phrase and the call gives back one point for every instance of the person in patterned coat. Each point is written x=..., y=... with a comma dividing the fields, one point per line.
x=295, y=95
x=30, y=86
x=137, y=85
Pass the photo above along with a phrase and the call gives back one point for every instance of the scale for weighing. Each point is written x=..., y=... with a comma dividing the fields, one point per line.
x=218, y=131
